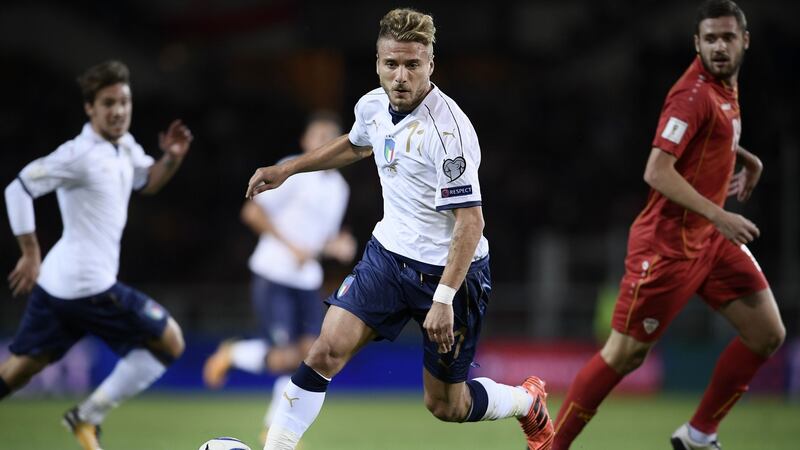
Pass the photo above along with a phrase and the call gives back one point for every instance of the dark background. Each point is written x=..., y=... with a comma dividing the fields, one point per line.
x=564, y=95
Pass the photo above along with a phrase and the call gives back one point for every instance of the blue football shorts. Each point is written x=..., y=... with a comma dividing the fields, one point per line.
x=385, y=292
x=122, y=317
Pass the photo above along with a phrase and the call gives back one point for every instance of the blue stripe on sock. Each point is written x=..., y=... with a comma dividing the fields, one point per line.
x=480, y=401
x=307, y=378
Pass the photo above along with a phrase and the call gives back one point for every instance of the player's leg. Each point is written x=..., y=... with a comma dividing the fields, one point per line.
x=41, y=339
x=301, y=350
x=755, y=315
x=475, y=400
x=366, y=306
x=147, y=339
x=306, y=315
x=250, y=354
x=17, y=370
x=342, y=336
x=653, y=290
x=449, y=395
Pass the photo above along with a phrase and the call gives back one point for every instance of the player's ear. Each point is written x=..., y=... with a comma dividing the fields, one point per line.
x=88, y=108
x=746, y=40
x=697, y=43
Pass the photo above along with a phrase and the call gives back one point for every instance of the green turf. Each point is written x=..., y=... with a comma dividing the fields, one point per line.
x=379, y=422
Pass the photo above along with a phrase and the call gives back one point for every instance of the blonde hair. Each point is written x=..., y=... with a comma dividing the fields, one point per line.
x=408, y=25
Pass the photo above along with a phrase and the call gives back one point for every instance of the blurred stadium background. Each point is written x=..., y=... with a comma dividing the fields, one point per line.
x=564, y=95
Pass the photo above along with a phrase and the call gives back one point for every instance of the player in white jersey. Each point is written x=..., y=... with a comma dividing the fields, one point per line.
x=428, y=259
x=75, y=291
x=295, y=227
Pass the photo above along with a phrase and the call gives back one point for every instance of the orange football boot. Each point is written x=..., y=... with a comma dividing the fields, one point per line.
x=536, y=424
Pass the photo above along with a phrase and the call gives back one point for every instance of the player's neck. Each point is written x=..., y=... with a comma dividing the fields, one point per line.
x=415, y=104
x=114, y=141
x=731, y=81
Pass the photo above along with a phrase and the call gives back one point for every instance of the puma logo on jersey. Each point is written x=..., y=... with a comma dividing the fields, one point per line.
x=725, y=106
x=447, y=133
x=290, y=399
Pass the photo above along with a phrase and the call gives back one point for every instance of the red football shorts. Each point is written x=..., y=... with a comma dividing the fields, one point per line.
x=654, y=289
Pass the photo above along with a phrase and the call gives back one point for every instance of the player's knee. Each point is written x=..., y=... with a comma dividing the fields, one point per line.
x=772, y=341
x=626, y=359
x=323, y=357
x=17, y=372
x=443, y=410
x=175, y=344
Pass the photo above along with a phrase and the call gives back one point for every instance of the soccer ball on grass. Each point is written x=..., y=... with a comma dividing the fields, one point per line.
x=224, y=443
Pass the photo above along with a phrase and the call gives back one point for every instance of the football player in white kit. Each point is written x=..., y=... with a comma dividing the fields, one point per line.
x=74, y=291
x=427, y=260
x=295, y=227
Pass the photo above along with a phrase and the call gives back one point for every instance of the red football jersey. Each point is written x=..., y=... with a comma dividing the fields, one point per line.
x=700, y=125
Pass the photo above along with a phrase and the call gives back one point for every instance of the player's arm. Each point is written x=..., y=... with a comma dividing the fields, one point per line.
x=744, y=181
x=175, y=144
x=258, y=220
x=467, y=233
x=19, y=205
x=662, y=176
x=337, y=153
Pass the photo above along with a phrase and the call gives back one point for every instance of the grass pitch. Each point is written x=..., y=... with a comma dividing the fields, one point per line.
x=384, y=422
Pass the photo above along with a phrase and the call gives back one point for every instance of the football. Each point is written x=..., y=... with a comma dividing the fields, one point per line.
x=224, y=443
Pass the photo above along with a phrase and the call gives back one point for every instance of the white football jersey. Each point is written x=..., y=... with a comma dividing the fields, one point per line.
x=307, y=210
x=93, y=180
x=428, y=166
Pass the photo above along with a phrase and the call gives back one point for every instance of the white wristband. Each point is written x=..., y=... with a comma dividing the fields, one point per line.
x=444, y=294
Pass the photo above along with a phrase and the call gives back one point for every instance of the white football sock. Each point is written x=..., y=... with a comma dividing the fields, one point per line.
x=132, y=374
x=277, y=395
x=296, y=411
x=249, y=355
x=700, y=437
x=504, y=400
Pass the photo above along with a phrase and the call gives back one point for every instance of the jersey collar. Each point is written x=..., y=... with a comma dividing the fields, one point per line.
x=701, y=69
x=427, y=102
x=92, y=136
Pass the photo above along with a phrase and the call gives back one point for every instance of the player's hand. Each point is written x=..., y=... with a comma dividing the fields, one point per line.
x=744, y=181
x=300, y=255
x=439, y=326
x=342, y=248
x=23, y=277
x=736, y=228
x=266, y=178
x=176, y=140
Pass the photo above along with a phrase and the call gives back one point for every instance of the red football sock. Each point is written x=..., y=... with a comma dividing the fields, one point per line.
x=736, y=366
x=592, y=384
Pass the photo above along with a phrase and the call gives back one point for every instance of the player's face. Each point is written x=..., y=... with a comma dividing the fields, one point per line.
x=110, y=113
x=404, y=69
x=318, y=134
x=721, y=45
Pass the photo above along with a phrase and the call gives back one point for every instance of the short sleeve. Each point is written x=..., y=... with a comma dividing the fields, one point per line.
x=63, y=167
x=359, y=134
x=141, y=162
x=457, y=158
x=683, y=114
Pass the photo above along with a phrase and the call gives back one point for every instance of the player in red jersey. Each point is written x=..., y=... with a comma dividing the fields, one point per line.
x=684, y=242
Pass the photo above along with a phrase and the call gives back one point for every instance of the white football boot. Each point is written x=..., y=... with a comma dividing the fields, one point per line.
x=682, y=441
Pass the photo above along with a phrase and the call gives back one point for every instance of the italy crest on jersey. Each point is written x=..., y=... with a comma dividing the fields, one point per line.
x=388, y=149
